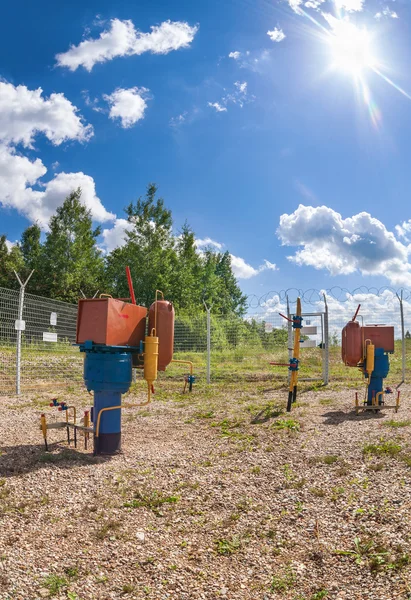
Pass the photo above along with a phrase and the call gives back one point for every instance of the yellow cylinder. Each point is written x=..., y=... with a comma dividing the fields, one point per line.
x=150, y=358
x=370, y=358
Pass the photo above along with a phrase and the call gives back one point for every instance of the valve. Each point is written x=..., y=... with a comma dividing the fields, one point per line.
x=388, y=390
x=294, y=362
x=297, y=322
x=190, y=379
x=63, y=406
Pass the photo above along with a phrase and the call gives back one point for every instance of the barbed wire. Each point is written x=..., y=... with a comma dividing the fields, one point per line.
x=314, y=296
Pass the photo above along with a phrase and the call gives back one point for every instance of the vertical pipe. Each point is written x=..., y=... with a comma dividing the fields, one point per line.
x=130, y=285
x=403, y=349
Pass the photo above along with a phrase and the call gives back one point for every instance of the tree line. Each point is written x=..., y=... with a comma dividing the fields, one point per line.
x=68, y=261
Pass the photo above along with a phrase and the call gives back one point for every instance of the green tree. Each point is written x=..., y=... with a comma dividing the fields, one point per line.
x=10, y=261
x=232, y=299
x=33, y=255
x=148, y=251
x=71, y=260
x=187, y=266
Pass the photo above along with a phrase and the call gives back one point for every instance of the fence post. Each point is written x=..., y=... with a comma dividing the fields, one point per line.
x=290, y=337
x=20, y=327
x=403, y=349
x=208, y=310
x=326, y=344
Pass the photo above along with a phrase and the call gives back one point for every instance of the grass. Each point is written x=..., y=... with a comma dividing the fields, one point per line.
x=283, y=582
x=55, y=583
x=376, y=555
x=152, y=500
x=384, y=448
x=290, y=424
x=328, y=459
x=226, y=547
x=396, y=424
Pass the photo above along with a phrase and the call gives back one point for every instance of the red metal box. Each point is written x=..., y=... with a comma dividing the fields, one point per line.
x=111, y=322
x=382, y=336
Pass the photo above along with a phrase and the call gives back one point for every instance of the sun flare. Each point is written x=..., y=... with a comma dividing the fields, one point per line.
x=351, y=48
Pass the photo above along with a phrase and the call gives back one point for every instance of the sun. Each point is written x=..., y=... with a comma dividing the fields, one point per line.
x=351, y=48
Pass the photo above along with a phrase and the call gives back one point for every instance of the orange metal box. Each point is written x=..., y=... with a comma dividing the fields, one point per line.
x=111, y=322
x=382, y=336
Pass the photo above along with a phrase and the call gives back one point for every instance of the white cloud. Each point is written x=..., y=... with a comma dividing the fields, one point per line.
x=16, y=173
x=237, y=96
x=315, y=4
x=235, y=55
x=128, y=105
x=9, y=245
x=17, y=176
x=243, y=270
x=295, y=5
x=218, y=107
x=42, y=205
x=178, y=120
x=116, y=236
x=276, y=35
x=206, y=242
x=122, y=39
x=24, y=113
x=387, y=12
x=404, y=230
x=349, y=5
x=359, y=243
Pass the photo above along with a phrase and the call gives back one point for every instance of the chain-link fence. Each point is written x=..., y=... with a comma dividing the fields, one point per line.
x=45, y=333
x=222, y=348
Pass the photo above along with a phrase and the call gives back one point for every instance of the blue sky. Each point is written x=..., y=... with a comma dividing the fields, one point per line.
x=303, y=115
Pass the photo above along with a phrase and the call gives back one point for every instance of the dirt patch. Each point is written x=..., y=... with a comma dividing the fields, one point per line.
x=217, y=494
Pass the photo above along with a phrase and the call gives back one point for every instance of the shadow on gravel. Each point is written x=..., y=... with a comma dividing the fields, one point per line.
x=339, y=416
x=17, y=460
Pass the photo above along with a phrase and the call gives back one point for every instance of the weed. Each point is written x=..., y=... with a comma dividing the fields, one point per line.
x=55, y=583
x=209, y=414
x=385, y=447
x=378, y=556
x=377, y=467
x=337, y=492
x=152, y=500
x=289, y=424
x=108, y=528
x=282, y=583
x=328, y=459
x=72, y=595
x=71, y=572
x=227, y=547
x=319, y=595
x=319, y=492
x=326, y=401
x=396, y=424
x=127, y=588
x=256, y=470
x=407, y=459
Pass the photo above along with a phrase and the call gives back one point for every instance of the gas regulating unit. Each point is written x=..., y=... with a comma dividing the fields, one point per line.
x=367, y=347
x=112, y=334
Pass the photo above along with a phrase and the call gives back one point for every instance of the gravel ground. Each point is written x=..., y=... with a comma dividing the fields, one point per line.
x=216, y=495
